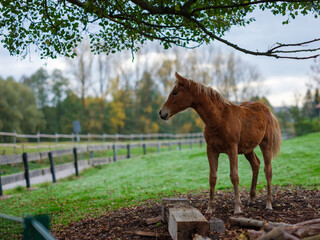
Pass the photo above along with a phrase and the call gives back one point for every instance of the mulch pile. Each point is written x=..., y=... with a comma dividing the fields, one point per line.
x=290, y=205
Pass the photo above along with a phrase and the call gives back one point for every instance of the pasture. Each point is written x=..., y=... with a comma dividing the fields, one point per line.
x=154, y=176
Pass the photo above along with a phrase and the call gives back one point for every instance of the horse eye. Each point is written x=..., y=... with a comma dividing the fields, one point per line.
x=174, y=93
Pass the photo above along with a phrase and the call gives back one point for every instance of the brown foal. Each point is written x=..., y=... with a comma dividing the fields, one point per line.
x=229, y=129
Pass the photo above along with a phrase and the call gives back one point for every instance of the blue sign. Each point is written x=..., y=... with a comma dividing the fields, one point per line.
x=76, y=126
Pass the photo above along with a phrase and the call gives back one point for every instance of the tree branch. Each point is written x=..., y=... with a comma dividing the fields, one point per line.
x=244, y=5
x=269, y=53
x=160, y=30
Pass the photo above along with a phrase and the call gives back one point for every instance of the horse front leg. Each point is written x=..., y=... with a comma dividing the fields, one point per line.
x=233, y=158
x=213, y=164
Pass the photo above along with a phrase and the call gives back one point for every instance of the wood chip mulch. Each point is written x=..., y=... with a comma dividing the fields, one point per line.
x=290, y=205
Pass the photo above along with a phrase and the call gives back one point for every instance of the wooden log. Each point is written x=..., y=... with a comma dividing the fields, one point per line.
x=285, y=235
x=305, y=229
x=254, y=234
x=276, y=233
x=316, y=237
x=146, y=234
x=185, y=222
x=301, y=230
x=254, y=224
x=154, y=220
x=170, y=203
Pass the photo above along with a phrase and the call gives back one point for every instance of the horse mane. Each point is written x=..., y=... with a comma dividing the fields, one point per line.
x=213, y=94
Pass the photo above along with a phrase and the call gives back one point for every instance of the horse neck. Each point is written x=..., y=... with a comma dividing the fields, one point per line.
x=209, y=110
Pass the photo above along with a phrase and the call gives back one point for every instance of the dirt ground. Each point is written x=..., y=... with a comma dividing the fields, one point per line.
x=290, y=204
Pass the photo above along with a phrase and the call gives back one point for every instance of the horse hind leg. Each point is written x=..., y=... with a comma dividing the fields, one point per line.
x=267, y=157
x=213, y=164
x=255, y=165
x=233, y=158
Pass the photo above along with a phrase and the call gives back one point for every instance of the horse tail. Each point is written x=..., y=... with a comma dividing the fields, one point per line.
x=276, y=137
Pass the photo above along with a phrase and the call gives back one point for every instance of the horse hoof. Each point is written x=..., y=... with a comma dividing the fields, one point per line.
x=269, y=206
x=209, y=210
x=237, y=211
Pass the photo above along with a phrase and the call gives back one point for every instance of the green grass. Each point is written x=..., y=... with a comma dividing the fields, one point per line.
x=132, y=181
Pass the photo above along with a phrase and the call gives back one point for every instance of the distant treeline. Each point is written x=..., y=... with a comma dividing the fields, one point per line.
x=126, y=102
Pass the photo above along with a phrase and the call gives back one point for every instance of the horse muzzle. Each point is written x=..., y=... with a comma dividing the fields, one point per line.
x=164, y=114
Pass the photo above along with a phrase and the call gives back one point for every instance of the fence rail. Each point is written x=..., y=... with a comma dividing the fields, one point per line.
x=67, y=169
x=103, y=136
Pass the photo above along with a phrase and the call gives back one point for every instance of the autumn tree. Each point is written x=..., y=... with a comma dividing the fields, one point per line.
x=116, y=107
x=57, y=27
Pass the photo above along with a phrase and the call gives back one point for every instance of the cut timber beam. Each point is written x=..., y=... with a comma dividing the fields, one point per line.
x=170, y=203
x=184, y=222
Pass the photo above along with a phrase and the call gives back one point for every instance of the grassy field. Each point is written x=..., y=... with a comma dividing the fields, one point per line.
x=132, y=181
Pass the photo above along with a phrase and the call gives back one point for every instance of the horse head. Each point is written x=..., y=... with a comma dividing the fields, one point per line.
x=178, y=100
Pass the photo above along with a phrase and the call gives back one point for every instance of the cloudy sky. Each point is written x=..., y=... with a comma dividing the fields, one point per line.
x=282, y=79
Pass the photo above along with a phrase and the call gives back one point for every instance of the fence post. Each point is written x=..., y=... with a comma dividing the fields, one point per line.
x=128, y=150
x=1, y=192
x=37, y=227
x=169, y=146
x=78, y=139
x=52, y=167
x=72, y=138
x=159, y=147
x=38, y=140
x=144, y=149
x=56, y=139
x=114, y=147
x=190, y=142
x=91, y=154
x=179, y=144
x=26, y=168
x=200, y=142
x=15, y=137
x=76, y=161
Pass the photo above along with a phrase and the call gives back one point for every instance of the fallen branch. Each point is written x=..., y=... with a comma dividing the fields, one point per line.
x=154, y=220
x=255, y=224
x=316, y=237
x=285, y=231
x=146, y=234
x=305, y=229
x=276, y=233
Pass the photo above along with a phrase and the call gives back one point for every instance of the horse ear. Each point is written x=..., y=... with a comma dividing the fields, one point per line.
x=181, y=80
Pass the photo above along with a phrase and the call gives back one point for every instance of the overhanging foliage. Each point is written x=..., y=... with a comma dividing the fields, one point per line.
x=57, y=26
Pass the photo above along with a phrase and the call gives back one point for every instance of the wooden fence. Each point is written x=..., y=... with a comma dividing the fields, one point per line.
x=101, y=137
x=77, y=164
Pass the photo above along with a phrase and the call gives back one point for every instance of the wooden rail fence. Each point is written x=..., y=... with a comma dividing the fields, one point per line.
x=101, y=137
x=77, y=164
